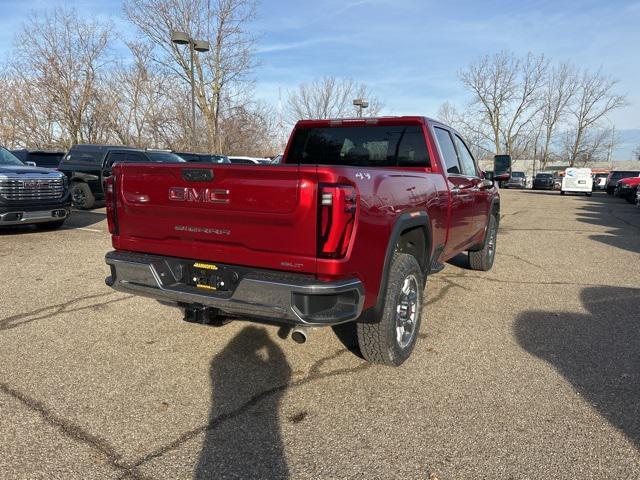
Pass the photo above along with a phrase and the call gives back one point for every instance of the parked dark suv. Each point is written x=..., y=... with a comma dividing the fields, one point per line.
x=42, y=158
x=31, y=195
x=87, y=166
x=543, y=181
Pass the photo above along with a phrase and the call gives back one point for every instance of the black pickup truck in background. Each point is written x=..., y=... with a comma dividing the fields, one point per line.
x=87, y=166
x=31, y=195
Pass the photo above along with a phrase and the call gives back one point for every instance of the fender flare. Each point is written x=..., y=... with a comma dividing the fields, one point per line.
x=404, y=222
x=495, y=207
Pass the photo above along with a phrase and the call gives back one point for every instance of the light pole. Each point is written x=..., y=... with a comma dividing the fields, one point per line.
x=182, y=38
x=610, y=150
x=361, y=104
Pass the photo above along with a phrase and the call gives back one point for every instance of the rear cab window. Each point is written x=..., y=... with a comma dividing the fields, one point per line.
x=363, y=146
x=84, y=156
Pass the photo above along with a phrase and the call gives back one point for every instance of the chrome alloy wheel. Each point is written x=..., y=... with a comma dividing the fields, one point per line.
x=491, y=247
x=78, y=197
x=407, y=311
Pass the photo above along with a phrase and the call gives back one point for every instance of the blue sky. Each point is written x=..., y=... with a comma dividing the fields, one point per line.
x=409, y=51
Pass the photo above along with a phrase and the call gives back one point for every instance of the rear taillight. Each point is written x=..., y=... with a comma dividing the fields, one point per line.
x=338, y=205
x=110, y=196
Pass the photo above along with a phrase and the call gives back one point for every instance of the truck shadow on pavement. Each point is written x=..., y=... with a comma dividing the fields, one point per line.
x=247, y=445
x=598, y=352
x=621, y=218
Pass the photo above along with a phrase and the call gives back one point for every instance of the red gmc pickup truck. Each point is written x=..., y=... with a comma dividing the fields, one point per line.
x=345, y=229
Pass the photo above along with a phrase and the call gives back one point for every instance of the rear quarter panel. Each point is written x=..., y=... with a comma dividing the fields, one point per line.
x=384, y=195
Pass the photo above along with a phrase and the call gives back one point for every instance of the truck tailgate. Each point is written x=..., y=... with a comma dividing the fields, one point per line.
x=262, y=216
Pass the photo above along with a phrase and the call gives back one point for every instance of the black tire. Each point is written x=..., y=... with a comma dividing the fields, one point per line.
x=561, y=192
x=483, y=259
x=49, y=225
x=384, y=340
x=631, y=199
x=82, y=196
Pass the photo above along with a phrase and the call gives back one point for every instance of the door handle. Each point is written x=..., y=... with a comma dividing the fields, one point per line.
x=455, y=190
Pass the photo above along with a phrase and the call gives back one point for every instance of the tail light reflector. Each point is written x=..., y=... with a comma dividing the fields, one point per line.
x=338, y=207
x=110, y=191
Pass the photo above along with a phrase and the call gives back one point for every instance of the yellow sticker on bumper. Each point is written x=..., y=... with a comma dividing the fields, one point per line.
x=205, y=266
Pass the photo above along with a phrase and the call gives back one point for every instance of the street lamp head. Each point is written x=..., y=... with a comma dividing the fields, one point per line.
x=201, y=46
x=358, y=102
x=364, y=104
x=179, y=38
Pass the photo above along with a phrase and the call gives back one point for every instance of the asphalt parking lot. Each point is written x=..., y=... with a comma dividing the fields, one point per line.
x=531, y=370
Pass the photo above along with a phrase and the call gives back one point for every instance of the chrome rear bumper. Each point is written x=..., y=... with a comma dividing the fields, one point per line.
x=292, y=298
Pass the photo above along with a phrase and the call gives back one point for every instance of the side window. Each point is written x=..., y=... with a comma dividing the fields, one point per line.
x=448, y=151
x=466, y=160
x=115, y=157
x=84, y=156
x=135, y=157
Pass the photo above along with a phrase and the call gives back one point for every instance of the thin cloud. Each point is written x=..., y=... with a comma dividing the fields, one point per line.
x=284, y=46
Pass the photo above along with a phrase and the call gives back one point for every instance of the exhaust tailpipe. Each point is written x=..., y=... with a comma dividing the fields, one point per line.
x=300, y=335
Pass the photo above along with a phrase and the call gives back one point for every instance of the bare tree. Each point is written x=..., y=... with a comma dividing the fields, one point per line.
x=593, y=148
x=448, y=114
x=506, y=92
x=636, y=153
x=63, y=67
x=329, y=97
x=558, y=92
x=470, y=128
x=222, y=74
x=251, y=130
x=593, y=100
x=139, y=99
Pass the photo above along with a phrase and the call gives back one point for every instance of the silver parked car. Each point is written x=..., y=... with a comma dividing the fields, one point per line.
x=517, y=180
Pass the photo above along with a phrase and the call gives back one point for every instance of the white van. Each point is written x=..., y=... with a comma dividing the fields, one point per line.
x=577, y=180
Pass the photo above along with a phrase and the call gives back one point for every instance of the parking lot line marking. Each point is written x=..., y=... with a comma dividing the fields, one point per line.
x=84, y=228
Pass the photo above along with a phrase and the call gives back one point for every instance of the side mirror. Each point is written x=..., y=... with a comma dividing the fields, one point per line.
x=501, y=168
x=488, y=175
x=30, y=164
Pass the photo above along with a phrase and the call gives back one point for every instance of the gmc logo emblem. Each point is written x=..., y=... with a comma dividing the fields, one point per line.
x=32, y=184
x=199, y=195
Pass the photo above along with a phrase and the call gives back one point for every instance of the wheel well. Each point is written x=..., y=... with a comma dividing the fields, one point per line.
x=495, y=210
x=413, y=241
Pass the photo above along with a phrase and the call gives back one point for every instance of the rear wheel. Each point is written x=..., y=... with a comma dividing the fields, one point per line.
x=483, y=259
x=82, y=196
x=390, y=338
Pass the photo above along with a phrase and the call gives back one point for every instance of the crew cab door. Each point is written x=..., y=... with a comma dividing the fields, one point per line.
x=481, y=195
x=462, y=189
